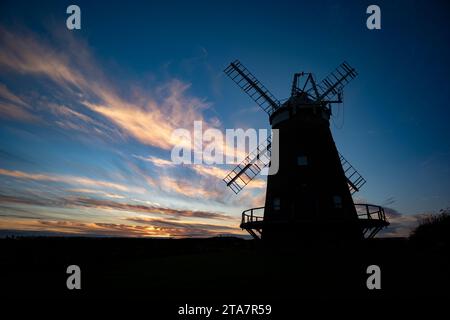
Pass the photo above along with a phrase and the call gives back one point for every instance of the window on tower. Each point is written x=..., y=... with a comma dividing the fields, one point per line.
x=276, y=204
x=302, y=161
x=337, y=200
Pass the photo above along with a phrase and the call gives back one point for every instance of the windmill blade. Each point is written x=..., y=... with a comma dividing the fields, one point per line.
x=334, y=83
x=249, y=168
x=255, y=89
x=354, y=179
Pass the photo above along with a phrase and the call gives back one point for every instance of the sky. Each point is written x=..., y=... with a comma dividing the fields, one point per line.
x=87, y=115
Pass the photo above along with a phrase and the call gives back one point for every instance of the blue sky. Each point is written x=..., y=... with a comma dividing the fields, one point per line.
x=80, y=110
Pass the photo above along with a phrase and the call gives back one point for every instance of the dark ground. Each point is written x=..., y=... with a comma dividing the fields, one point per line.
x=219, y=270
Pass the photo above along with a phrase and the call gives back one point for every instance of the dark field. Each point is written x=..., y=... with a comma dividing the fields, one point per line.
x=219, y=270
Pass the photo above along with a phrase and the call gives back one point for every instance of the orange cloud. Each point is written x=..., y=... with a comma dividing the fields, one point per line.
x=152, y=209
x=142, y=228
x=221, y=173
x=150, y=120
x=26, y=54
x=209, y=171
x=150, y=123
x=99, y=192
x=6, y=94
x=81, y=228
x=12, y=111
x=73, y=180
x=187, y=188
x=78, y=202
x=13, y=106
x=203, y=170
x=159, y=162
x=186, y=227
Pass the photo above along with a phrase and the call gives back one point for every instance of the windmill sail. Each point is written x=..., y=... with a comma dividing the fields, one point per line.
x=249, y=168
x=255, y=89
x=334, y=83
x=354, y=179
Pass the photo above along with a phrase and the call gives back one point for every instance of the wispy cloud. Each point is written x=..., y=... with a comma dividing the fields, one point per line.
x=208, y=171
x=147, y=209
x=75, y=94
x=150, y=122
x=97, y=192
x=26, y=54
x=184, y=229
x=138, y=228
x=148, y=118
x=215, y=172
x=11, y=111
x=6, y=94
x=14, y=107
x=187, y=188
x=16, y=226
x=71, y=202
x=401, y=225
x=159, y=162
x=67, y=179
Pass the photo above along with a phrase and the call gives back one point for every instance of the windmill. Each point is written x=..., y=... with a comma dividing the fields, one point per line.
x=310, y=197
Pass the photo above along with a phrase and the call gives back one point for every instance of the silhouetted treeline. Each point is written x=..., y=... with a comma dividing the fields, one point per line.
x=433, y=230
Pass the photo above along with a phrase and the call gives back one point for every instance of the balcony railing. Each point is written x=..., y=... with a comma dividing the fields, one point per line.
x=372, y=219
x=252, y=215
x=364, y=210
x=370, y=211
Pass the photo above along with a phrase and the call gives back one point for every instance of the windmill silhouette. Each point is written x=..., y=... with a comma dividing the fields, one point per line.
x=310, y=197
